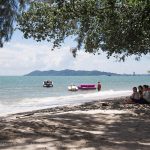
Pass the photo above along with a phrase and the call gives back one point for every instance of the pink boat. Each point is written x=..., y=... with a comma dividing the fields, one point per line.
x=87, y=87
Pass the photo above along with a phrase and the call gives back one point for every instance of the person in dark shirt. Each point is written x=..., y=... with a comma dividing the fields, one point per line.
x=99, y=86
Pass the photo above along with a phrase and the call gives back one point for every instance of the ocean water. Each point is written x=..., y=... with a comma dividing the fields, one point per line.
x=25, y=93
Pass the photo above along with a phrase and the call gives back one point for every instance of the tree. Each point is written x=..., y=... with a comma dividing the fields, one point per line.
x=9, y=10
x=117, y=27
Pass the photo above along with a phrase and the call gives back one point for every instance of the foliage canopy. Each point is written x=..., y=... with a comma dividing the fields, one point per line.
x=9, y=10
x=118, y=27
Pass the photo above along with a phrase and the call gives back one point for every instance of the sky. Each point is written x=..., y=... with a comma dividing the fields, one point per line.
x=21, y=56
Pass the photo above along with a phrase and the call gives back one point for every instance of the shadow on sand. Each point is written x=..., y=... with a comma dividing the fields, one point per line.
x=76, y=131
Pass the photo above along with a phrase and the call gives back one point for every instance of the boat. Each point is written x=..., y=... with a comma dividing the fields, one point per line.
x=87, y=87
x=48, y=83
x=72, y=88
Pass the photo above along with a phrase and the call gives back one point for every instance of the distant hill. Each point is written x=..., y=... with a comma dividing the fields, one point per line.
x=69, y=73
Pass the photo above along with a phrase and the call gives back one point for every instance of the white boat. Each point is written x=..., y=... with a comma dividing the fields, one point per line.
x=48, y=83
x=72, y=88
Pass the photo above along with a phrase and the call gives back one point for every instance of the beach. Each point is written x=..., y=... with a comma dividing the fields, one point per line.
x=26, y=93
x=102, y=125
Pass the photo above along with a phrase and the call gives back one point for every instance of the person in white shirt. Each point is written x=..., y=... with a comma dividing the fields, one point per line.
x=141, y=97
x=135, y=95
x=134, y=98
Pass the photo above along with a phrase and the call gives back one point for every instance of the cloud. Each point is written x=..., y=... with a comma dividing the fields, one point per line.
x=21, y=58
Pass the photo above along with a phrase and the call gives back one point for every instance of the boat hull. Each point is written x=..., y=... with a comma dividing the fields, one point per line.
x=81, y=88
x=72, y=88
x=48, y=83
x=87, y=87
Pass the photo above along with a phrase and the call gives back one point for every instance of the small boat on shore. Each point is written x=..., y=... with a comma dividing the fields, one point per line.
x=72, y=88
x=48, y=83
x=87, y=87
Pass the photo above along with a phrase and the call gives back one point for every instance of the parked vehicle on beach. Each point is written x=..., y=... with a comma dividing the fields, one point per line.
x=72, y=88
x=48, y=83
x=87, y=87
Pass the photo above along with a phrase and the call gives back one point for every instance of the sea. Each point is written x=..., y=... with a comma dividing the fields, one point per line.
x=26, y=93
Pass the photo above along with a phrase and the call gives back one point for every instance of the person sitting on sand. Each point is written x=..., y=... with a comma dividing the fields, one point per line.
x=141, y=99
x=146, y=94
x=140, y=90
x=135, y=95
x=148, y=88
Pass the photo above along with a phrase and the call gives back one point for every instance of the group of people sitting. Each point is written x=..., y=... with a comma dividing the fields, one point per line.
x=140, y=95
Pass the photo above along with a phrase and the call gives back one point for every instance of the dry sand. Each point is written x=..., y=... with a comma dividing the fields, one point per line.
x=97, y=125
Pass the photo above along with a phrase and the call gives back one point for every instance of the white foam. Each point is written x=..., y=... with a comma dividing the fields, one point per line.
x=29, y=104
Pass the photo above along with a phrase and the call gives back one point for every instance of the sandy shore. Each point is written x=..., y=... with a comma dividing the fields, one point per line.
x=98, y=125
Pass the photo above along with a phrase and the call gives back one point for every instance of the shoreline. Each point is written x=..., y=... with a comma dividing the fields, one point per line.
x=115, y=103
x=107, y=124
x=68, y=106
x=35, y=104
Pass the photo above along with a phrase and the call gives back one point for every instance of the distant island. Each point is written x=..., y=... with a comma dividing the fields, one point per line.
x=68, y=72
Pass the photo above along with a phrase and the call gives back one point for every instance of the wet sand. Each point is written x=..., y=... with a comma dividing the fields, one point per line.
x=98, y=125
